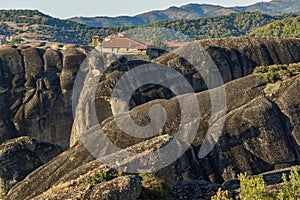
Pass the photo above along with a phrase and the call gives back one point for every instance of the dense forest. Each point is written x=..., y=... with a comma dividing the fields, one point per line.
x=289, y=27
x=237, y=24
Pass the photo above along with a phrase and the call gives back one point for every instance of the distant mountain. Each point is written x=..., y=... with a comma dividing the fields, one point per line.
x=289, y=27
x=32, y=25
x=191, y=11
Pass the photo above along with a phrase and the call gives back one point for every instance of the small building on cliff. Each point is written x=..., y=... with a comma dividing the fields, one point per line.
x=120, y=44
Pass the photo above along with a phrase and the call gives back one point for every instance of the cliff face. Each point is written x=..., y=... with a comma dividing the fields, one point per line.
x=36, y=88
x=258, y=134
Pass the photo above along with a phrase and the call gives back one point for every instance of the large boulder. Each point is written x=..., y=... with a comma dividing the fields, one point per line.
x=20, y=156
x=34, y=65
x=72, y=59
x=48, y=175
x=53, y=60
x=238, y=93
x=67, y=173
x=12, y=69
x=123, y=187
x=256, y=137
x=254, y=140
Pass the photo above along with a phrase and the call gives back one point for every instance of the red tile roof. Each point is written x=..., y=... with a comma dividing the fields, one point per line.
x=121, y=41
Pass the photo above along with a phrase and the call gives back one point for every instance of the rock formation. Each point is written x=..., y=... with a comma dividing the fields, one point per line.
x=36, y=88
x=257, y=137
x=234, y=57
x=36, y=81
x=21, y=156
x=260, y=134
x=237, y=57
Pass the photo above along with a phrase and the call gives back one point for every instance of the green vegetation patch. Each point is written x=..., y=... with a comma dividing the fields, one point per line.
x=275, y=75
x=255, y=188
x=99, y=178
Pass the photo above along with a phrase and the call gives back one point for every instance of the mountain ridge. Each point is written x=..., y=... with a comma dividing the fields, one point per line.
x=38, y=27
x=190, y=11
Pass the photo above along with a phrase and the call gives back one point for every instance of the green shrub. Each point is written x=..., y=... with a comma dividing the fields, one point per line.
x=251, y=187
x=291, y=186
x=99, y=178
x=294, y=68
x=221, y=195
x=261, y=69
x=274, y=73
x=276, y=68
x=270, y=77
x=255, y=188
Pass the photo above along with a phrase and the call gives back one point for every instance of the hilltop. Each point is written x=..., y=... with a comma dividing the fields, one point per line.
x=191, y=11
x=32, y=25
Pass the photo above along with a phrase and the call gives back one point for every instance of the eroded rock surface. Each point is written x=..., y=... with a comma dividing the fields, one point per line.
x=20, y=156
x=37, y=82
x=234, y=58
x=237, y=57
x=65, y=175
x=36, y=85
x=123, y=187
x=256, y=138
x=260, y=132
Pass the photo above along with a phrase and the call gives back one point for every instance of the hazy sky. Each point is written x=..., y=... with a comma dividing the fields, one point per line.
x=70, y=8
